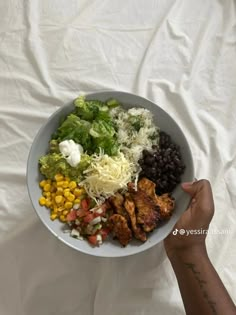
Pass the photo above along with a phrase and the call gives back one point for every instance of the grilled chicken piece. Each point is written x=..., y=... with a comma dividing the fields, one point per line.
x=130, y=208
x=165, y=202
x=120, y=229
x=117, y=201
x=148, y=186
x=147, y=210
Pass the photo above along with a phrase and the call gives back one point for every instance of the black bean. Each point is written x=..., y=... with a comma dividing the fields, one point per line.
x=177, y=160
x=167, y=152
x=145, y=152
x=163, y=165
x=149, y=160
x=153, y=170
x=155, y=165
x=164, y=183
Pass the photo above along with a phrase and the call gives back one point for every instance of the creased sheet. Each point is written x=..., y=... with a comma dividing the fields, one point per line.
x=181, y=55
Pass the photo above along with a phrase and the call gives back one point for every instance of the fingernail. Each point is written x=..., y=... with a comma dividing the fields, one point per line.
x=187, y=184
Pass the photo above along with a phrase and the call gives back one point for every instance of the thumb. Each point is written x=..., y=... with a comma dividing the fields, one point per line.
x=189, y=188
x=200, y=190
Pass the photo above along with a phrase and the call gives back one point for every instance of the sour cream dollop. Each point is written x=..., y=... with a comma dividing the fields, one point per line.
x=71, y=151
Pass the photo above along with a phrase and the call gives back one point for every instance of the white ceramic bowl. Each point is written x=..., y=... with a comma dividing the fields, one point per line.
x=109, y=248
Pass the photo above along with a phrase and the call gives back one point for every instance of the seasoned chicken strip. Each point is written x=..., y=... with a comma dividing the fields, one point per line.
x=165, y=202
x=147, y=210
x=148, y=186
x=117, y=201
x=130, y=208
x=120, y=229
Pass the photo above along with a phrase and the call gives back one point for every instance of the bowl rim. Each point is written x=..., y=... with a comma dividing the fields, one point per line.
x=37, y=136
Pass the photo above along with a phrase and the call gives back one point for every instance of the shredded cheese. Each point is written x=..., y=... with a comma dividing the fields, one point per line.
x=107, y=174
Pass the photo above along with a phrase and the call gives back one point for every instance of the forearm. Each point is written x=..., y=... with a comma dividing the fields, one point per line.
x=201, y=288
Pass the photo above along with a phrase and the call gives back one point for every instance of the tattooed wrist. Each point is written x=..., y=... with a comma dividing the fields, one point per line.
x=202, y=285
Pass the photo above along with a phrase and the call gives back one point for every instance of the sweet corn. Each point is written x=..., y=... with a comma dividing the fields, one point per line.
x=59, y=199
x=42, y=201
x=59, y=177
x=77, y=201
x=60, y=209
x=68, y=205
x=47, y=187
x=42, y=183
x=53, y=189
x=62, y=218
x=77, y=192
x=72, y=185
x=59, y=191
x=48, y=203
x=66, y=194
x=60, y=183
x=60, y=195
x=71, y=197
x=65, y=184
x=53, y=216
x=46, y=194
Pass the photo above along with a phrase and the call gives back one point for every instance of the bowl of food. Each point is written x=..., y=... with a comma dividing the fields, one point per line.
x=104, y=174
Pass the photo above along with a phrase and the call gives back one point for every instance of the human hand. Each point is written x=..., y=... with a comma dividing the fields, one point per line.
x=197, y=217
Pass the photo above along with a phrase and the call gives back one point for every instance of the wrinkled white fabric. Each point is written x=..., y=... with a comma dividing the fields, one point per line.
x=181, y=55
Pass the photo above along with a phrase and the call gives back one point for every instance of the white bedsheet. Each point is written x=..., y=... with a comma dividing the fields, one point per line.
x=180, y=54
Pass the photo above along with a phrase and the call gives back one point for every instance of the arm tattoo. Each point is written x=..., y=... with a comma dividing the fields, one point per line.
x=202, y=283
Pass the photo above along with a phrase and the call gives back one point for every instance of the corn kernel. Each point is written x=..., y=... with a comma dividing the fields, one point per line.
x=67, y=179
x=53, y=188
x=49, y=181
x=55, y=209
x=42, y=201
x=60, y=209
x=65, y=212
x=59, y=177
x=77, y=201
x=72, y=185
x=53, y=216
x=48, y=203
x=60, y=183
x=66, y=193
x=59, y=191
x=77, y=192
x=47, y=187
x=46, y=194
x=71, y=197
x=42, y=183
x=62, y=218
x=68, y=205
x=65, y=184
x=59, y=199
